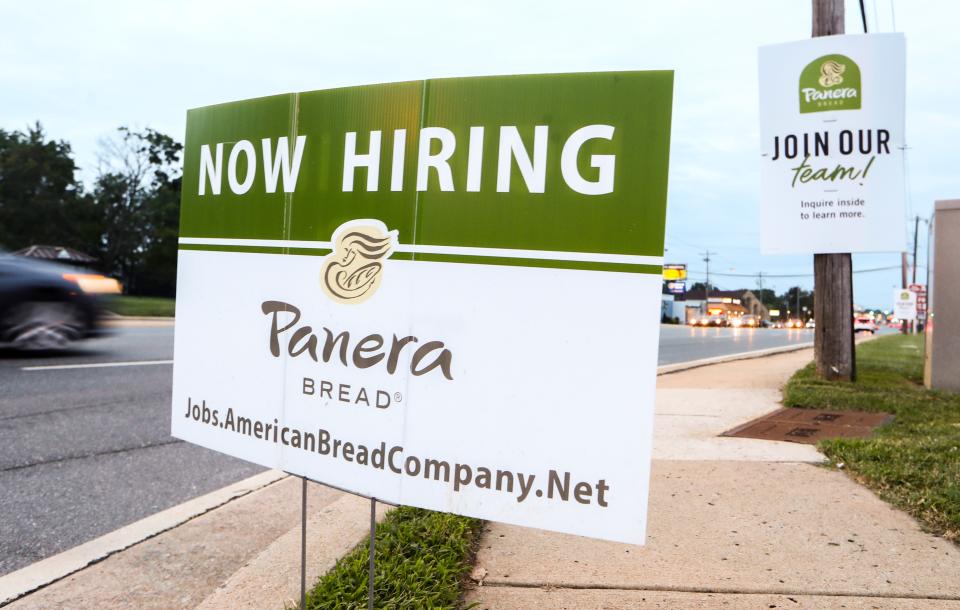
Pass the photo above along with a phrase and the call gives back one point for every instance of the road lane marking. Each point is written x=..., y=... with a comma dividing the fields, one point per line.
x=86, y=456
x=97, y=365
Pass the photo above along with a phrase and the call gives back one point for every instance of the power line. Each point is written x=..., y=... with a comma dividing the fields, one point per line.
x=788, y=275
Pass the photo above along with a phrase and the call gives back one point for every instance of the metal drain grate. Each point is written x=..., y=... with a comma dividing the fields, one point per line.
x=810, y=425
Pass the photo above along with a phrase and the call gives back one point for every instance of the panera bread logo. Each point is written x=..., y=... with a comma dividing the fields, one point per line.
x=352, y=272
x=831, y=73
x=831, y=82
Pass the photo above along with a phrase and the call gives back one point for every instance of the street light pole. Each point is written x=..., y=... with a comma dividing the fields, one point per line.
x=833, y=273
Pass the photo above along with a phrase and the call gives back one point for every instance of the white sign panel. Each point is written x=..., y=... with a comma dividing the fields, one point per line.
x=904, y=304
x=832, y=138
x=442, y=294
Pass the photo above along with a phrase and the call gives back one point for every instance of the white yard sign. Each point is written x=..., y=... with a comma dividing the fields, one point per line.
x=444, y=294
x=832, y=138
x=904, y=304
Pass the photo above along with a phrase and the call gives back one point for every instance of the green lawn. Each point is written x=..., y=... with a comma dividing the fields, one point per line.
x=141, y=306
x=914, y=462
x=422, y=561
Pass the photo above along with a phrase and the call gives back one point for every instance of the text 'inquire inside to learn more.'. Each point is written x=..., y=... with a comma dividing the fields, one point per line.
x=832, y=209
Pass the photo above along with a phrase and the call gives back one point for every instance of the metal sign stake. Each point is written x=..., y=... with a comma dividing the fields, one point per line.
x=303, y=544
x=373, y=533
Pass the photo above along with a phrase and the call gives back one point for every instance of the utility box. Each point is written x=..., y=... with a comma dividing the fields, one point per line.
x=942, y=354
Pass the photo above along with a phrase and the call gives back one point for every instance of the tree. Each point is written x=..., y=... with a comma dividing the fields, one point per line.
x=768, y=297
x=699, y=286
x=789, y=301
x=137, y=193
x=41, y=202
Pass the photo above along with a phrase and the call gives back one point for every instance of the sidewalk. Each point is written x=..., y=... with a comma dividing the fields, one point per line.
x=243, y=554
x=734, y=523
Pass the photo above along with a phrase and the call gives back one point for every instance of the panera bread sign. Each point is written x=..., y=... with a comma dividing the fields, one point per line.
x=441, y=293
x=832, y=140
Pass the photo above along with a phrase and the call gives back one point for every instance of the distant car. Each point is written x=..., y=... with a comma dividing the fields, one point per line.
x=793, y=323
x=48, y=306
x=717, y=321
x=745, y=321
x=864, y=324
x=811, y=324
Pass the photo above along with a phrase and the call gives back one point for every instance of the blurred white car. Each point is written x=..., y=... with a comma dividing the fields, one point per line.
x=864, y=324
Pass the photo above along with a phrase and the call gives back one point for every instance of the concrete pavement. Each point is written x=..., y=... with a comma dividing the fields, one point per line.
x=734, y=523
x=182, y=567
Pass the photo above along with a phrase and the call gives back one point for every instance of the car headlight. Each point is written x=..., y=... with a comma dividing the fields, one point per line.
x=92, y=283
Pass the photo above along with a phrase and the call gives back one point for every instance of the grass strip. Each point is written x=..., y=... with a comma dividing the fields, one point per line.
x=422, y=561
x=141, y=306
x=914, y=462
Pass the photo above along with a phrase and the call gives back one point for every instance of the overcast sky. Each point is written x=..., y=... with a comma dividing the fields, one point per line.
x=83, y=69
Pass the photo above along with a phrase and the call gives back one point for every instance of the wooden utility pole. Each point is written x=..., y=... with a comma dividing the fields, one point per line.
x=904, y=325
x=916, y=231
x=832, y=273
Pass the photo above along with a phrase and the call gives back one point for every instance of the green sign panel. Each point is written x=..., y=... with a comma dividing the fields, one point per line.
x=526, y=165
x=831, y=82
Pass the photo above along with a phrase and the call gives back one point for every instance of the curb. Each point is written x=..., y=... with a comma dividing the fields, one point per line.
x=271, y=578
x=760, y=353
x=44, y=572
x=137, y=322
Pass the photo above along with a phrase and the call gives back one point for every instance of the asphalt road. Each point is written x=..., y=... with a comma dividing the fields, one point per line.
x=684, y=343
x=84, y=451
